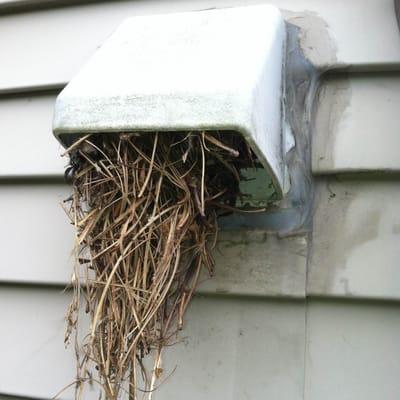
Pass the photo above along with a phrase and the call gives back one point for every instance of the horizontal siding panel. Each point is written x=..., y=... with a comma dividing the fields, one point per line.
x=27, y=145
x=47, y=47
x=357, y=124
x=356, y=129
x=226, y=336
x=355, y=248
x=36, y=236
x=247, y=263
x=258, y=264
x=352, y=351
x=34, y=360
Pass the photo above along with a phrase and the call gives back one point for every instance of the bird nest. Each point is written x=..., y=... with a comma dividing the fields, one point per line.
x=145, y=208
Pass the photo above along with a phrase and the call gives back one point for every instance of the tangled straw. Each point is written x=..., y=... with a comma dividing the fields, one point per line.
x=145, y=210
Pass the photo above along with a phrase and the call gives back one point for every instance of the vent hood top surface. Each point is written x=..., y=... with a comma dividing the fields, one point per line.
x=208, y=70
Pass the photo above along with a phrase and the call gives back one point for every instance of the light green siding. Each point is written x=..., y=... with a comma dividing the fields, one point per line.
x=304, y=315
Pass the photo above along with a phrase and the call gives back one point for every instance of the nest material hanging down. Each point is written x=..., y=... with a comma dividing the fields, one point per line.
x=145, y=210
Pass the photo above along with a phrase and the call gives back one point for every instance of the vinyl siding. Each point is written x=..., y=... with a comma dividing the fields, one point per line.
x=355, y=249
x=298, y=317
x=61, y=39
x=25, y=123
x=357, y=124
x=222, y=345
x=266, y=266
x=352, y=350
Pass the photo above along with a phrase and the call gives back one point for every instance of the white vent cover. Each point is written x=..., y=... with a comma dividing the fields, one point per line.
x=208, y=70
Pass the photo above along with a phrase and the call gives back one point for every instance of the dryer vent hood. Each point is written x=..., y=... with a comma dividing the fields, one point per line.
x=206, y=70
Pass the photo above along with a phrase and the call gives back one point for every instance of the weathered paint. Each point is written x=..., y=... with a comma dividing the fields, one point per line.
x=355, y=248
x=255, y=263
x=316, y=41
x=356, y=124
x=331, y=103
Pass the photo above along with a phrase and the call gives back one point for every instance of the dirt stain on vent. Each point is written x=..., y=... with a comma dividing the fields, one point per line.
x=145, y=209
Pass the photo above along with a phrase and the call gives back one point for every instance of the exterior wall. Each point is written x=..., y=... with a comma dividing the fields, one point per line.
x=300, y=317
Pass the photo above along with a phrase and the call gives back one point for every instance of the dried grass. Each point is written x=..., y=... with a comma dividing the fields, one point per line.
x=145, y=210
